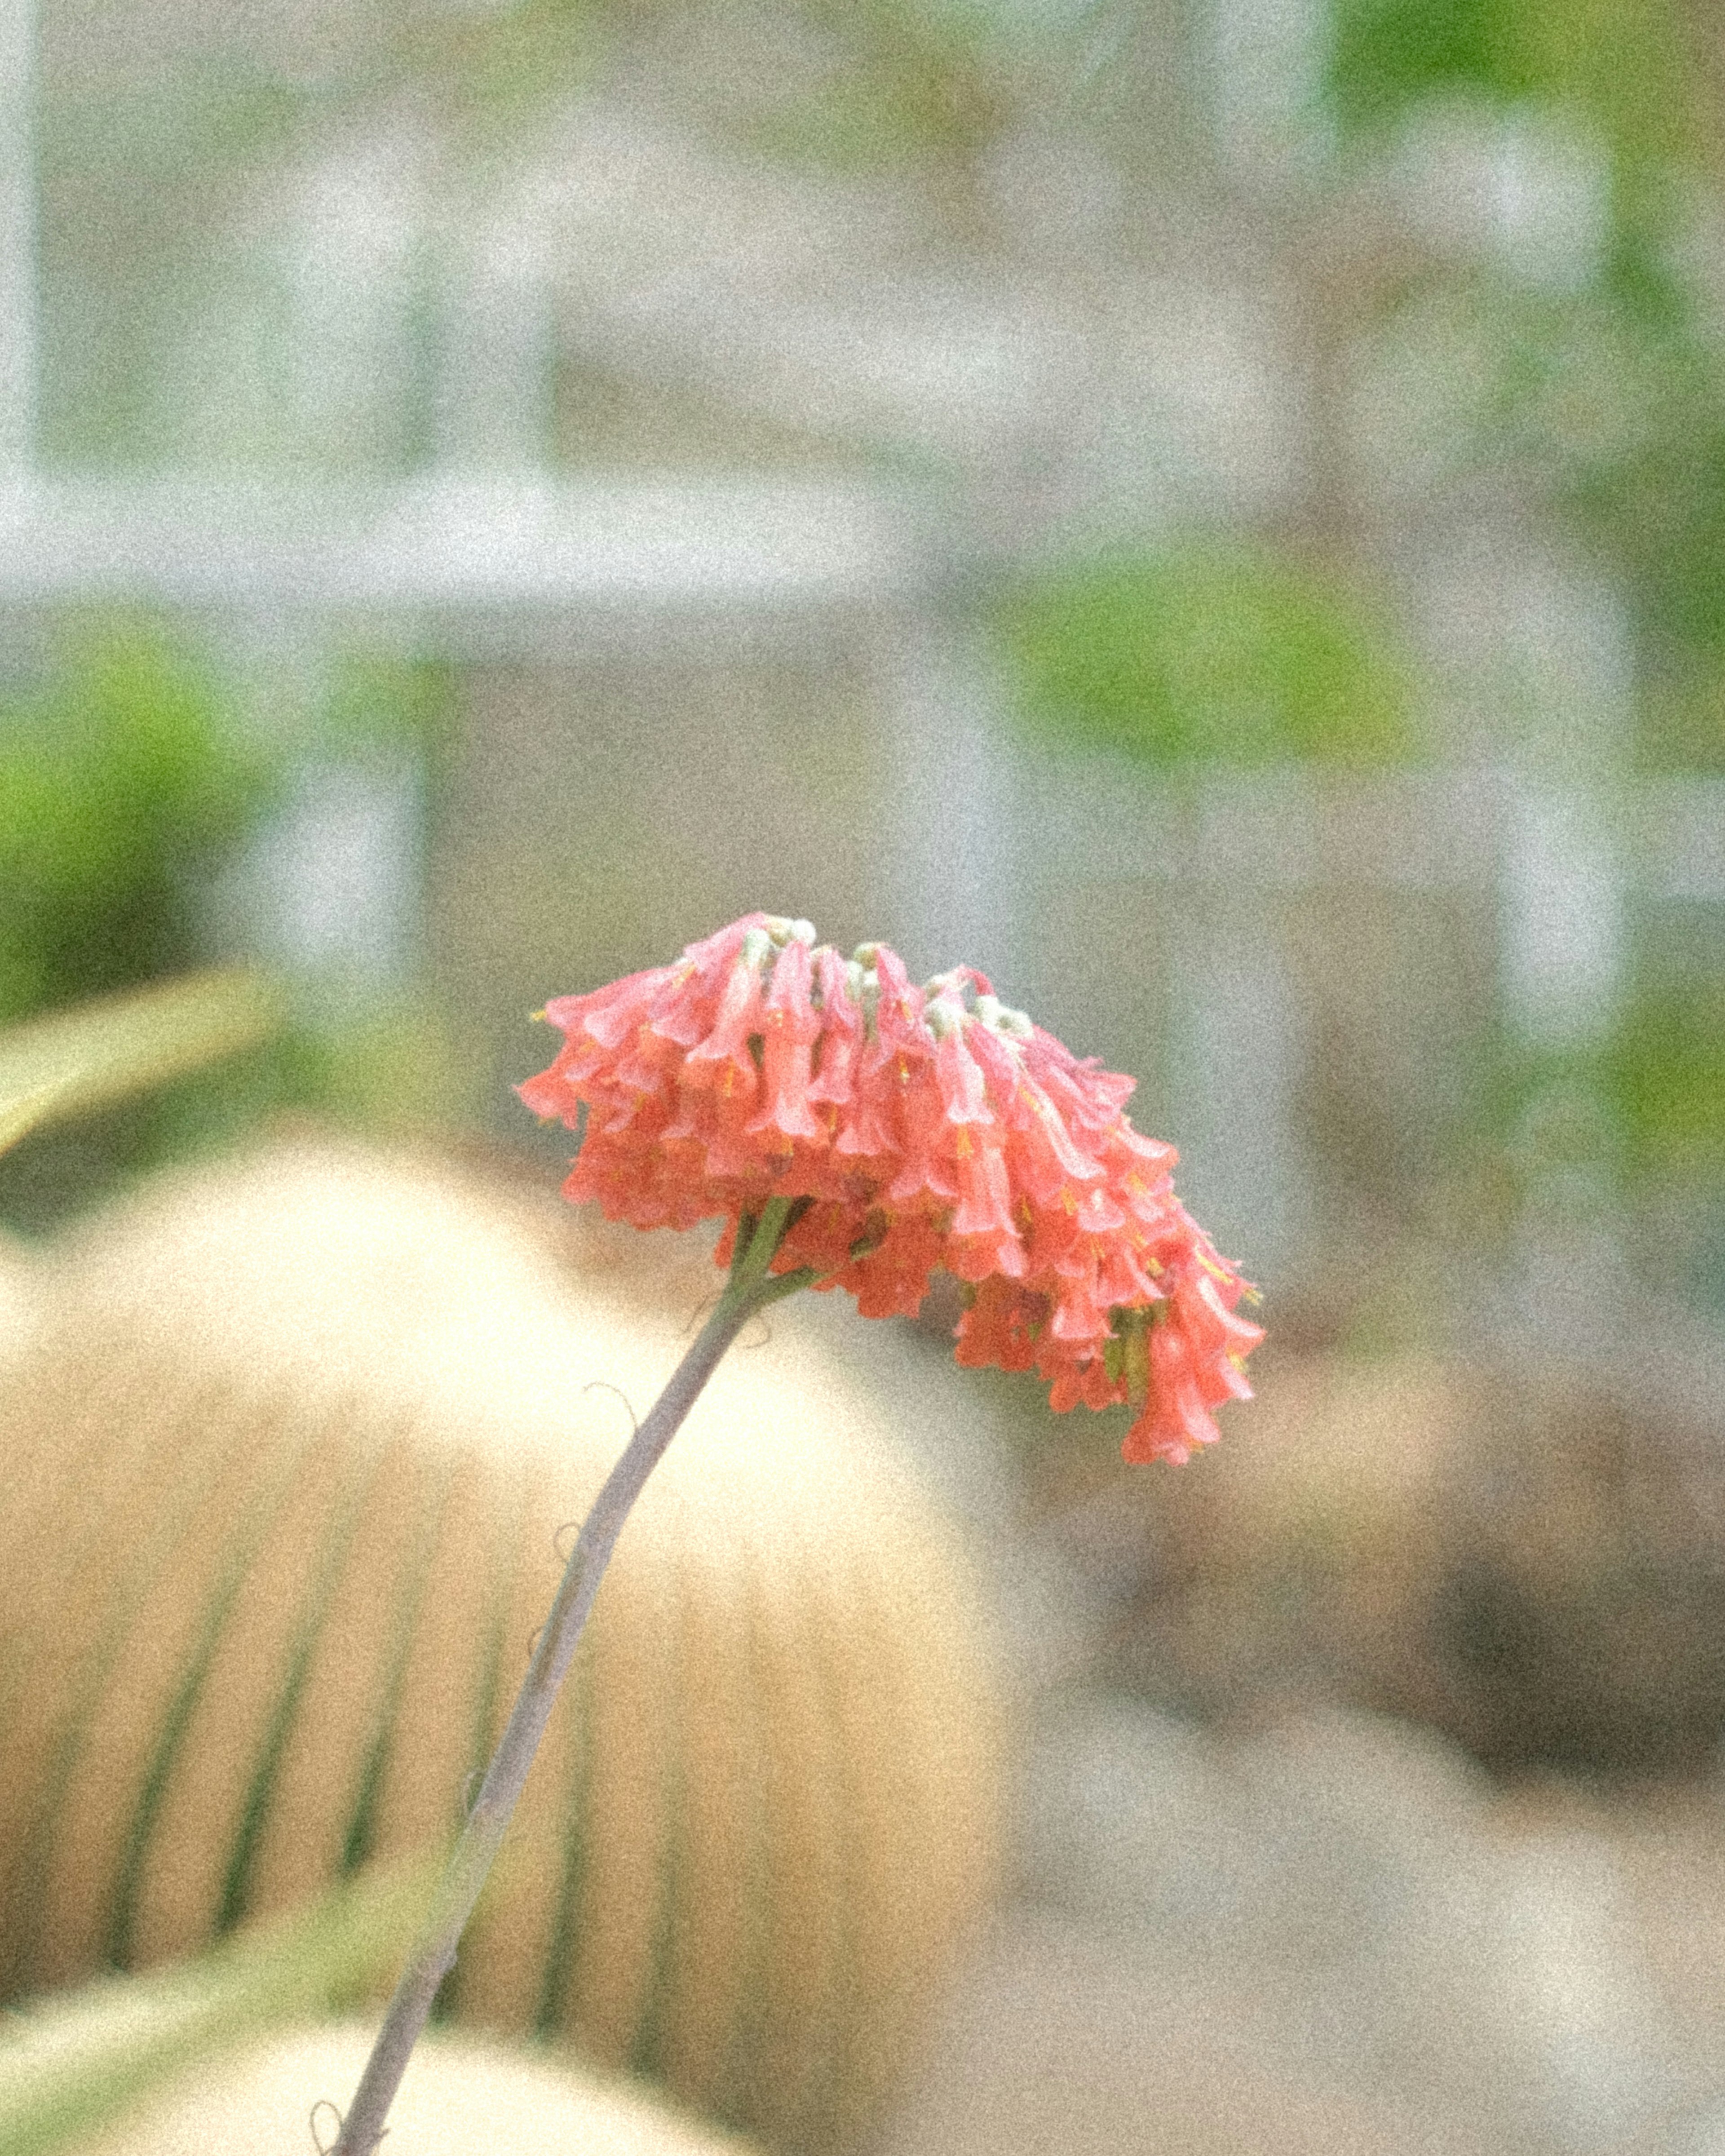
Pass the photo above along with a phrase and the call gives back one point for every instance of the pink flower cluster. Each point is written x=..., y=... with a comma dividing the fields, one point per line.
x=924, y=1127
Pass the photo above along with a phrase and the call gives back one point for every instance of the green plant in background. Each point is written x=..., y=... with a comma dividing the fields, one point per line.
x=130, y=785
x=1208, y=653
x=1666, y=1068
x=1664, y=1073
x=1600, y=394
x=126, y=785
x=1623, y=68
x=904, y=82
x=1632, y=1127
x=381, y=706
x=1607, y=398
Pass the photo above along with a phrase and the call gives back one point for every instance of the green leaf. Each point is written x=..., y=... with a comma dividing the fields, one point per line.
x=71, y=1061
x=75, y=2060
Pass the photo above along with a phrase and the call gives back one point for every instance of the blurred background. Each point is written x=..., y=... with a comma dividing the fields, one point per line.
x=1211, y=510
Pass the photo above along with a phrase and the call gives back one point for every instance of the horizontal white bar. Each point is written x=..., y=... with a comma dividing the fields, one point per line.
x=513, y=553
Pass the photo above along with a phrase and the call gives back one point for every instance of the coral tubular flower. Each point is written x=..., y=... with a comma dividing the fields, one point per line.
x=918, y=1127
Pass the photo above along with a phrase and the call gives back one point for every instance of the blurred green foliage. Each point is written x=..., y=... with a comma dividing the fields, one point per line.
x=1664, y=1074
x=374, y=703
x=1630, y=1129
x=1607, y=406
x=1604, y=400
x=124, y=785
x=1626, y=70
x=130, y=784
x=1608, y=399
x=483, y=54
x=1387, y=55
x=904, y=81
x=1208, y=654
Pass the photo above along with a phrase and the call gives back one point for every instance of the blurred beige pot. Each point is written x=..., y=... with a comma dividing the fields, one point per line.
x=460, y=2098
x=17, y=1299
x=289, y=1452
